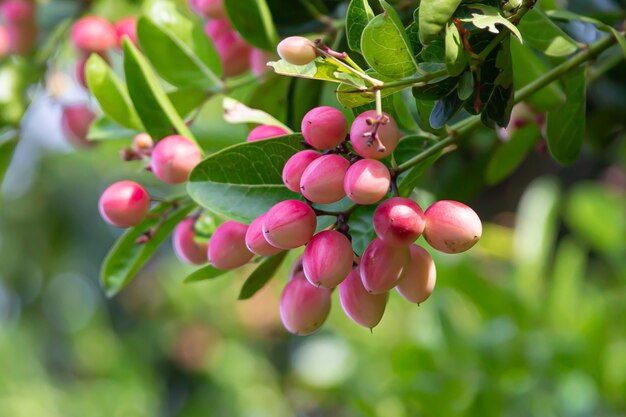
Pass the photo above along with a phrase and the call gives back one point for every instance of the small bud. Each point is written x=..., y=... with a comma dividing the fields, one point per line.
x=185, y=245
x=126, y=27
x=124, y=204
x=93, y=34
x=368, y=145
x=382, y=265
x=295, y=166
x=173, y=159
x=297, y=50
x=399, y=221
x=322, y=180
x=303, y=307
x=452, y=227
x=418, y=279
x=289, y=224
x=256, y=242
x=227, y=248
x=324, y=127
x=367, y=181
x=263, y=132
x=327, y=259
x=362, y=307
x=142, y=142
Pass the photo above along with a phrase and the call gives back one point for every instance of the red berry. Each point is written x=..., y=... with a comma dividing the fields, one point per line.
x=452, y=227
x=360, y=135
x=263, y=132
x=75, y=121
x=126, y=27
x=297, y=50
x=322, y=180
x=289, y=224
x=234, y=53
x=295, y=166
x=124, y=204
x=399, y=221
x=367, y=181
x=93, y=34
x=303, y=307
x=362, y=307
x=382, y=265
x=324, y=127
x=213, y=9
x=173, y=159
x=185, y=245
x=419, y=276
x=255, y=241
x=327, y=259
x=227, y=248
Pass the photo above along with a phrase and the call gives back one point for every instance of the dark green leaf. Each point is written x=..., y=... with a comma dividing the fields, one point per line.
x=435, y=91
x=362, y=228
x=6, y=154
x=272, y=96
x=511, y=154
x=261, y=275
x=186, y=100
x=253, y=20
x=444, y=109
x=203, y=274
x=541, y=33
x=358, y=16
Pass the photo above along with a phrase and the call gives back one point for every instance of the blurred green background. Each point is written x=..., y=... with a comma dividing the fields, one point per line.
x=531, y=322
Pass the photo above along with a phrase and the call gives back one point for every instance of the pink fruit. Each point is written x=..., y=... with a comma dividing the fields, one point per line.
x=399, y=221
x=5, y=42
x=185, y=245
x=255, y=241
x=418, y=279
x=324, y=127
x=266, y=132
x=361, y=134
x=296, y=267
x=124, y=204
x=93, y=34
x=18, y=12
x=327, y=259
x=75, y=122
x=227, y=248
x=303, y=307
x=297, y=50
x=362, y=307
x=216, y=28
x=213, y=9
x=289, y=224
x=322, y=180
x=452, y=227
x=234, y=53
x=382, y=265
x=295, y=166
x=126, y=27
x=367, y=181
x=258, y=61
x=173, y=159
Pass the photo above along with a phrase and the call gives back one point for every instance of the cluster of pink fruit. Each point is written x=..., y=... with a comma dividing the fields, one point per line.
x=19, y=33
x=236, y=54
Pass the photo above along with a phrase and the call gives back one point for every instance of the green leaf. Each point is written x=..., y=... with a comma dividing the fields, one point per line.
x=7, y=148
x=177, y=63
x=548, y=97
x=433, y=16
x=490, y=18
x=362, y=228
x=319, y=69
x=253, y=21
x=511, y=154
x=237, y=112
x=566, y=125
x=621, y=40
x=245, y=180
x=350, y=97
x=456, y=59
x=104, y=128
x=357, y=17
x=386, y=47
x=541, y=33
x=127, y=257
x=261, y=275
x=111, y=93
x=435, y=91
x=409, y=147
x=272, y=96
x=205, y=273
x=155, y=109
x=186, y=100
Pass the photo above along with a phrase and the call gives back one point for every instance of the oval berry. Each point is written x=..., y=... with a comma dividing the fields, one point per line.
x=124, y=204
x=367, y=181
x=399, y=221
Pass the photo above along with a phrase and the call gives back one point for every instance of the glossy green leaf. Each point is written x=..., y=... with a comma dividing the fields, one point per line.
x=357, y=17
x=433, y=16
x=456, y=58
x=511, y=153
x=386, y=47
x=541, y=33
x=157, y=113
x=245, y=180
x=566, y=125
x=111, y=93
x=104, y=128
x=253, y=20
x=262, y=275
x=316, y=70
x=175, y=61
x=127, y=257
x=205, y=273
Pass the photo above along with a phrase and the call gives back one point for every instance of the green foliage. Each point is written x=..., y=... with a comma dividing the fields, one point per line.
x=253, y=20
x=261, y=275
